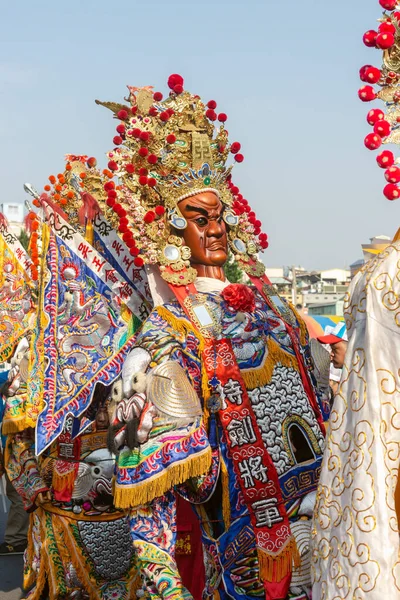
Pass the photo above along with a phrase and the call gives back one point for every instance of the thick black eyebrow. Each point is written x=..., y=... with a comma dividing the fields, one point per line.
x=202, y=211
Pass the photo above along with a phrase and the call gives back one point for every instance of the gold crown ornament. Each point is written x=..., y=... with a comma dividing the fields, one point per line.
x=75, y=192
x=167, y=150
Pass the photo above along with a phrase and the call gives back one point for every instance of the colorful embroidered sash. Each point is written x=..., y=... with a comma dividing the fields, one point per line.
x=254, y=468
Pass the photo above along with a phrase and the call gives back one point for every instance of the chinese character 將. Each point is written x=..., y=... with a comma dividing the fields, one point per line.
x=233, y=391
x=241, y=432
x=251, y=469
x=266, y=512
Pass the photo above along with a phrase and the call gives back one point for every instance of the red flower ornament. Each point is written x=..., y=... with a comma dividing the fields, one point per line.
x=239, y=297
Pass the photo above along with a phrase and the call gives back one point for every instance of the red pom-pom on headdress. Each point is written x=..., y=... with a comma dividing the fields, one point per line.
x=175, y=80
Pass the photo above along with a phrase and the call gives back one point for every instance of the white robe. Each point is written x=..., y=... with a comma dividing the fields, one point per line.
x=355, y=530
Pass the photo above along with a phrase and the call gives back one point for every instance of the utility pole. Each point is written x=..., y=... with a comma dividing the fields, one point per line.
x=294, y=286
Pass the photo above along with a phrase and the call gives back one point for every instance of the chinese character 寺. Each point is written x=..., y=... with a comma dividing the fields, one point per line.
x=233, y=391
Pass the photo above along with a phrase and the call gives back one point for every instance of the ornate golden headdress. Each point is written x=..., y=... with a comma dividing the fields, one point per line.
x=165, y=151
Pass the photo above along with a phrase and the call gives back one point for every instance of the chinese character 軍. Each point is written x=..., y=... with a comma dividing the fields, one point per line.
x=66, y=450
x=266, y=512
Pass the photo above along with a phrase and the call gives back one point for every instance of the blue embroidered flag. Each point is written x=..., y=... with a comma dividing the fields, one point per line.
x=90, y=321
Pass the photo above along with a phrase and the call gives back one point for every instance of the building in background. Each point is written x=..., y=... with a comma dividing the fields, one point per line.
x=318, y=292
x=14, y=213
x=322, y=292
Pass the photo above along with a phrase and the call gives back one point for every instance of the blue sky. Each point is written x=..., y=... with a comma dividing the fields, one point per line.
x=285, y=72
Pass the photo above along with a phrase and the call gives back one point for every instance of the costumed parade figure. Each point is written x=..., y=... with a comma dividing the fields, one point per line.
x=356, y=533
x=59, y=389
x=217, y=402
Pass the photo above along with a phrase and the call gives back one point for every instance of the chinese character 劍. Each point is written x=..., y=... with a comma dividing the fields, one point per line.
x=241, y=432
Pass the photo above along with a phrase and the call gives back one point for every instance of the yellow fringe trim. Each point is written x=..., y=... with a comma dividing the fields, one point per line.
x=275, y=568
x=137, y=495
x=181, y=326
x=206, y=393
x=63, y=481
x=262, y=375
x=14, y=425
x=45, y=563
x=34, y=406
x=226, y=504
x=216, y=595
x=40, y=579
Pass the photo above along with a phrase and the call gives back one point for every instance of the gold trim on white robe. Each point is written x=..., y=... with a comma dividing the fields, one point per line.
x=355, y=531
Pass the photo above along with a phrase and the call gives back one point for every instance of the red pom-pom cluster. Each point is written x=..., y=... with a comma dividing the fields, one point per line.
x=123, y=226
x=388, y=4
x=91, y=162
x=383, y=39
x=176, y=83
x=385, y=159
x=240, y=206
